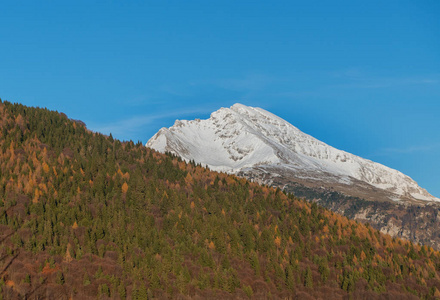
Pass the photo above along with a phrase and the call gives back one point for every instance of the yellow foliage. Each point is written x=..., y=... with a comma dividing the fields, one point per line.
x=230, y=180
x=188, y=179
x=43, y=187
x=61, y=159
x=278, y=241
x=211, y=245
x=44, y=153
x=363, y=256
x=124, y=188
x=28, y=186
x=192, y=205
x=75, y=225
x=355, y=260
x=426, y=248
x=36, y=196
x=68, y=258
x=45, y=168
x=19, y=120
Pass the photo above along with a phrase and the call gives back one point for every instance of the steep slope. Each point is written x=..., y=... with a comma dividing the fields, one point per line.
x=259, y=146
x=252, y=140
x=84, y=216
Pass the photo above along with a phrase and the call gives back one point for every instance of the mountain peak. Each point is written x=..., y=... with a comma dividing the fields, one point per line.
x=237, y=106
x=243, y=138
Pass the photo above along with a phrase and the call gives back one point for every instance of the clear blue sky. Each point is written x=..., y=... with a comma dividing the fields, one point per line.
x=363, y=76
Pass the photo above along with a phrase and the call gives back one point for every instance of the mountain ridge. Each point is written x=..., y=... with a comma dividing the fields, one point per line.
x=243, y=138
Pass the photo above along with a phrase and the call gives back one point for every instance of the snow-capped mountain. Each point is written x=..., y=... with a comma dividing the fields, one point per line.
x=257, y=144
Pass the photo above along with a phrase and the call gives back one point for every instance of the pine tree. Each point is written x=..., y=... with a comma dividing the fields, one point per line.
x=308, y=278
x=60, y=278
x=86, y=279
x=290, y=278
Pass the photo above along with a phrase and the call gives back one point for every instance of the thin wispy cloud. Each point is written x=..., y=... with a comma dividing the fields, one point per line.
x=374, y=83
x=409, y=150
x=139, y=101
x=136, y=124
x=299, y=85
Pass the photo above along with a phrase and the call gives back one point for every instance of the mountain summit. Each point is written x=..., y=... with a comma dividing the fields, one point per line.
x=259, y=145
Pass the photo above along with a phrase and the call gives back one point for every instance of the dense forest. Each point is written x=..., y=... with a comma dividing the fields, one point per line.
x=85, y=216
x=418, y=222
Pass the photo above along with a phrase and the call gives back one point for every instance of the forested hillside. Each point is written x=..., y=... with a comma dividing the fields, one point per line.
x=418, y=222
x=85, y=216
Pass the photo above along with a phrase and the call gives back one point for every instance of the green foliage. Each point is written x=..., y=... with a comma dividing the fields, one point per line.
x=324, y=270
x=60, y=278
x=308, y=278
x=27, y=278
x=255, y=263
x=247, y=289
x=86, y=279
x=290, y=277
x=104, y=290
x=122, y=291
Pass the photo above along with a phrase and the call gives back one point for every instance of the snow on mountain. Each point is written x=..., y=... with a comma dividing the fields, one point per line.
x=243, y=138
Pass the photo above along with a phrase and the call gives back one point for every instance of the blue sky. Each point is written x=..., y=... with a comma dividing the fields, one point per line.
x=363, y=76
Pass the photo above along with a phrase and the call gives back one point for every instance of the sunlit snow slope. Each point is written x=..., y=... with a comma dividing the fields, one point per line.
x=242, y=137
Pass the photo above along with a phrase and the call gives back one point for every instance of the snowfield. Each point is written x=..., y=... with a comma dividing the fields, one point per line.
x=241, y=137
